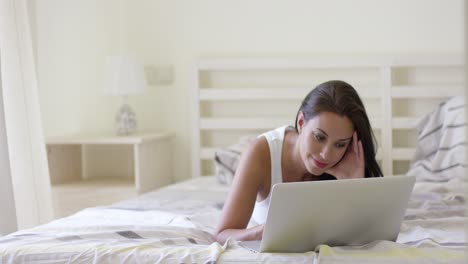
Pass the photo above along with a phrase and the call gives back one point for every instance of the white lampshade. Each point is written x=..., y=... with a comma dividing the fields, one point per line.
x=125, y=76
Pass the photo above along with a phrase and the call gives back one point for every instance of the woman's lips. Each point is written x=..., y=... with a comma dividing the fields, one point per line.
x=320, y=164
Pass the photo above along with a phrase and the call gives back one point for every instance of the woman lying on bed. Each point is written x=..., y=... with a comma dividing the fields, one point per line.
x=332, y=139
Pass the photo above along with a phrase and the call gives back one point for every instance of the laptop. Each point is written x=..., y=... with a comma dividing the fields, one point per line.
x=354, y=212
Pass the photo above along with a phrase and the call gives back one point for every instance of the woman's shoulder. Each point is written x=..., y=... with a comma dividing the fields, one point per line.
x=255, y=161
x=258, y=149
x=277, y=133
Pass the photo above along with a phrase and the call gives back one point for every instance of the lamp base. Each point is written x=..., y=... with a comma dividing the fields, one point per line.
x=125, y=121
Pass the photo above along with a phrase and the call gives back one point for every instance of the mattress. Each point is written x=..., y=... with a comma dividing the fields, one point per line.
x=174, y=225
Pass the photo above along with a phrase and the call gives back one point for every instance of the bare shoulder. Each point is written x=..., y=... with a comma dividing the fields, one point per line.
x=258, y=149
x=254, y=164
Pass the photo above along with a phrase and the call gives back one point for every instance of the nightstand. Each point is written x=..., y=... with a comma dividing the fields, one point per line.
x=144, y=159
x=94, y=170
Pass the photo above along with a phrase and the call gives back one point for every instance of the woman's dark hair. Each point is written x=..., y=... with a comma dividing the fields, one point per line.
x=342, y=99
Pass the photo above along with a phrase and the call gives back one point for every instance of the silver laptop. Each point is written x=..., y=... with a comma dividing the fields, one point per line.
x=303, y=215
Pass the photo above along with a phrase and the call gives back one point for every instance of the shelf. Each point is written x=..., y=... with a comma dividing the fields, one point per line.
x=107, y=138
x=79, y=156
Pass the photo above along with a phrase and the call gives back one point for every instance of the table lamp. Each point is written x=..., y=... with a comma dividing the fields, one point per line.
x=125, y=77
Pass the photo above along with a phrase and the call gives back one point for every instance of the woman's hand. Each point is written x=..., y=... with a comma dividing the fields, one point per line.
x=352, y=164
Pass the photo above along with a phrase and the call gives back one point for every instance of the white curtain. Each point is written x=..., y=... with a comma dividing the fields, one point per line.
x=27, y=177
x=7, y=205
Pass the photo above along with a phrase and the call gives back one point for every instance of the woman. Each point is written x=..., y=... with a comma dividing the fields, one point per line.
x=332, y=139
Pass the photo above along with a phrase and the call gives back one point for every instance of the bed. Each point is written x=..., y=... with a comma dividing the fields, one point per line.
x=417, y=112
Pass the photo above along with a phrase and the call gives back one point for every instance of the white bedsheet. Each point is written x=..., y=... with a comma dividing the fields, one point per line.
x=173, y=225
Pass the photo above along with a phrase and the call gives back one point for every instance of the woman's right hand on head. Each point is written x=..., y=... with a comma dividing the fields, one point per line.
x=353, y=163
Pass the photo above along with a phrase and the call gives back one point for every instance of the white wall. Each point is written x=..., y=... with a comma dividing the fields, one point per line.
x=74, y=36
x=74, y=39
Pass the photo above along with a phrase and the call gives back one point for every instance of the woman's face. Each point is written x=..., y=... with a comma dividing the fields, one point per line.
x=324, y=140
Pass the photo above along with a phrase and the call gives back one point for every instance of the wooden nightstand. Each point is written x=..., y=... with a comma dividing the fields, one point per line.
x=92, y=170
x=145, y=157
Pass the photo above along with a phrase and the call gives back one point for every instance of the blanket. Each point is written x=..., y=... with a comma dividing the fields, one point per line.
x=174, y=225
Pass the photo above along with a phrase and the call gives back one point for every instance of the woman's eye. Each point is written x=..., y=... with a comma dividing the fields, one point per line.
x=319, y=138
x=341, y=145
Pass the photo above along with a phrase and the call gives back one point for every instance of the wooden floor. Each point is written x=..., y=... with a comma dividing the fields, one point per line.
x=70, y=197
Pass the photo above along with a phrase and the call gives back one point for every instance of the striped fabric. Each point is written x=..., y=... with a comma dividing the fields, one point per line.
x=227, y=159
x=441, y=148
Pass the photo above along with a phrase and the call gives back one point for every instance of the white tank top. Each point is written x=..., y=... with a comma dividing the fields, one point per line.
x=275, y=143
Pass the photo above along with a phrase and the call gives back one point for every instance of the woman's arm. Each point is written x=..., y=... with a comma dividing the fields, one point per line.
x=253, y=167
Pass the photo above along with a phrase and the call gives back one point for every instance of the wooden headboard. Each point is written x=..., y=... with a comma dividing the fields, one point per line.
x=237, y=97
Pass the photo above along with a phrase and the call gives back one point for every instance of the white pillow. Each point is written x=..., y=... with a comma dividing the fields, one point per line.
x=441, y=148
x=227, y=159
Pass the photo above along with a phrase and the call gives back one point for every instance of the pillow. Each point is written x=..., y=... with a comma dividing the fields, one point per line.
x=227, y=159
x=441, y=148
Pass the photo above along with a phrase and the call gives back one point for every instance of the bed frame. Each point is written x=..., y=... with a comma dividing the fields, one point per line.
x=237, y=97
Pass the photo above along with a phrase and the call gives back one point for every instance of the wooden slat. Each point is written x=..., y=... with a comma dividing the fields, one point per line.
x=431, y=91
x=376, y=123
x=207, y=153
x=256, y=123
x=285, y=64
x=405, y=122
x=329, y=62
x=215, y=94
x=378, y=155
x=428, y=60
x=243, y=123
x=386, y=132
x=252, y=94
x=403, y=153
x=195, y=128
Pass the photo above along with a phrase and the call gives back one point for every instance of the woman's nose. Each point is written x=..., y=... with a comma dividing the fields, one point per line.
x=325, y=153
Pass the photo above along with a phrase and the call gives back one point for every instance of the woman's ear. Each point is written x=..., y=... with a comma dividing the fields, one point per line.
x=300, y=121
